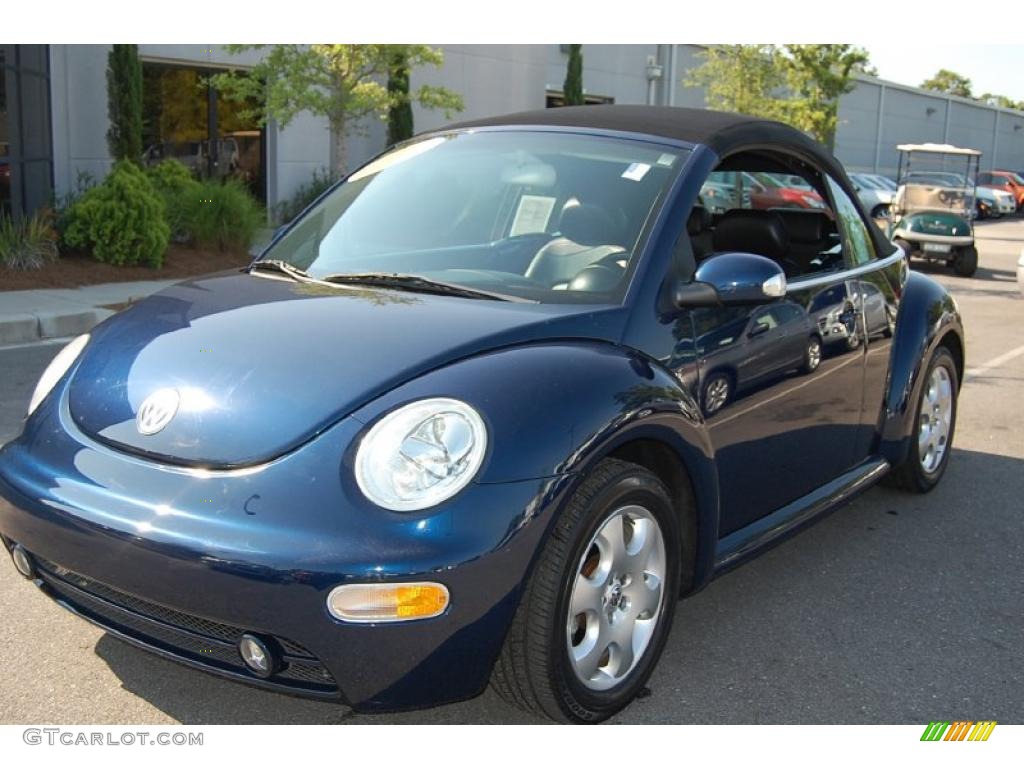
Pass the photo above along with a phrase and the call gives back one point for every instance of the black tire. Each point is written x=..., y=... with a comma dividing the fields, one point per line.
x=709, y=402
x=911, y=475
x=965, y=262
x=534, y=671
x=812, y=358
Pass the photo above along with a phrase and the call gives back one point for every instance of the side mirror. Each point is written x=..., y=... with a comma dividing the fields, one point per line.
x=732, y=278
x=757, y=330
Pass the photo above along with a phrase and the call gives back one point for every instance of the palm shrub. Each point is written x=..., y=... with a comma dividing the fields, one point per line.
x=121, y=221
x=223, y=216
x=28, y=242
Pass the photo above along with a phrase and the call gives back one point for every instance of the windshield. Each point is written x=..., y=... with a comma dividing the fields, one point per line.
x=546, y=216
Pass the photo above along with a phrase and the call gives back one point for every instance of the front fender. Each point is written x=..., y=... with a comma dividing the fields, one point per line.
x=558, y=408
x=928, y=314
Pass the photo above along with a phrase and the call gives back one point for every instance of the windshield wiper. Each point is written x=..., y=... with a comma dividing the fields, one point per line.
x=417, y=283
x=283, y=267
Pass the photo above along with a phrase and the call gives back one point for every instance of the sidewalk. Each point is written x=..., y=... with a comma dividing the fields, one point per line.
x=27, y=316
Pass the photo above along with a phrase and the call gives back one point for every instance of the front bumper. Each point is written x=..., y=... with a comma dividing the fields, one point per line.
x=182, y=563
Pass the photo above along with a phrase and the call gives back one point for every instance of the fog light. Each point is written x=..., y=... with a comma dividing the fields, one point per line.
x=258, y=656
x=23, y=562
x=387, y=602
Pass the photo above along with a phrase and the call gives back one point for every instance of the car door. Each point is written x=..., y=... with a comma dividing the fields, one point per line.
x=760, y=352
x=789, y=433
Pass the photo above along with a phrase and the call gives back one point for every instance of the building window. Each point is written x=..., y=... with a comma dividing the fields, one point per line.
x=187, y=120
x=26, y=148
x=557, y=99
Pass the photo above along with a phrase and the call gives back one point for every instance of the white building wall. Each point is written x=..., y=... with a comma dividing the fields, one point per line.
x=498, y=79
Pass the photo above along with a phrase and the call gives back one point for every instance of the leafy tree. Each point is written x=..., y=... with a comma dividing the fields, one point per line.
x=573, y=86
x=741, y=78
x=818, y=75
x=798, y=84
x=345, y=83
x=124, y=103
x=947, y=81
x=997, y=100
x=400, y=123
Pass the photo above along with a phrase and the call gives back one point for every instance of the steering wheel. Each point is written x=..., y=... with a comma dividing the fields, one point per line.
x=601, y=276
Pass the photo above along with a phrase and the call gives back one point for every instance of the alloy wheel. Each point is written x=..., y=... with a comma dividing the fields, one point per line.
x=935, y=420
x=617, y=598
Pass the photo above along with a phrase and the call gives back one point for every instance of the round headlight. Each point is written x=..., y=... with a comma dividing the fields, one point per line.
x=56, y=369
x=421, y=454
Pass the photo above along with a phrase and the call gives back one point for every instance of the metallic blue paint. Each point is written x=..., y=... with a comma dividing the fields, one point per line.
x=245, y=511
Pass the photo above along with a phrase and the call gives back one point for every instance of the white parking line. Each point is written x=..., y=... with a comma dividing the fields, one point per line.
x=994, y=363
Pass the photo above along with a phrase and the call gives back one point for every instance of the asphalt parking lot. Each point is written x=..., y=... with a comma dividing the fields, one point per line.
x=896, y=609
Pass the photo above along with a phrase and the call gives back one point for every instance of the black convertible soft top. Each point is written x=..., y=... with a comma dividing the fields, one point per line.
x=697, y=126
x=723, y=132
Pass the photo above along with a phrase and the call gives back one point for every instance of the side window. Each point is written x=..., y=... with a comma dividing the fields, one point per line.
x=858, y=246
x=764, y=321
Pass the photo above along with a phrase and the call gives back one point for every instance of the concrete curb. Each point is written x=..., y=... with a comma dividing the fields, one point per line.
x=24, y=329
x=33, y=316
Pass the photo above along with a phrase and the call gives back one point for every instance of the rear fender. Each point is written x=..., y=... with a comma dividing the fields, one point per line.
x=928, y=314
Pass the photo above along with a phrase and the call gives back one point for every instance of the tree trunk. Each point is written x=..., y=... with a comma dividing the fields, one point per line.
x=338, y=160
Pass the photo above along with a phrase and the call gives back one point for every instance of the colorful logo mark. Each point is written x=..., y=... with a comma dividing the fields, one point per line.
x=960, y=730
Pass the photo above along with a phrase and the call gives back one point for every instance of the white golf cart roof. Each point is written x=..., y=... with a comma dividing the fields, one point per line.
x=941, y=149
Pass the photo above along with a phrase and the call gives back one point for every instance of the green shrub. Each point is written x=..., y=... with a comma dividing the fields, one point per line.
x=61, y=204
x=303, y=196
x=179, y=190
x=223, y=216
x=121, y=221
x=28, y=242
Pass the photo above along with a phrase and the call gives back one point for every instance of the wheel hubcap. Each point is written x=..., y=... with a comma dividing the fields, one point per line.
x=935, y=420
x=718, y=391
x=616, y=598
x=814, y=354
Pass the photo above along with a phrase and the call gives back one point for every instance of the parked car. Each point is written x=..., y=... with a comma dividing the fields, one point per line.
x=757, y=345
x=875, y=197
x=772, y=191
x=884, y=181
x=1008, y=181
x=447, y=429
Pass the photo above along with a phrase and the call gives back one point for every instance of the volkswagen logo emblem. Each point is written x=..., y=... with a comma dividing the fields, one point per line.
x=157, y=410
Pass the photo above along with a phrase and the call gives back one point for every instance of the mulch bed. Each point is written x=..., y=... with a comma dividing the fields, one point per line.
x=75, y=269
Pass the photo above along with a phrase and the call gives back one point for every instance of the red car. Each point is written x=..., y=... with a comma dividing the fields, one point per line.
x=768, y=191
x=1007, y=181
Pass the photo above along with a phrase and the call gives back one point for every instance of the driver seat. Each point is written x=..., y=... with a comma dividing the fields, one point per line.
x=588, y=237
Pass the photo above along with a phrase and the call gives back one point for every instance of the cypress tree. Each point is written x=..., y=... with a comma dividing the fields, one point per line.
x=400, y=126
x=124, y=103
x=573, y=86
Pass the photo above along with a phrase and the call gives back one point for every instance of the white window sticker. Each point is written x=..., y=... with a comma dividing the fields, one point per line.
x=532, y=215
x=636, y=171
x=666, y=160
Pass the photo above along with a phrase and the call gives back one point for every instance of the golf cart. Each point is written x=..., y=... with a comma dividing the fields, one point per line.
x=933, y=208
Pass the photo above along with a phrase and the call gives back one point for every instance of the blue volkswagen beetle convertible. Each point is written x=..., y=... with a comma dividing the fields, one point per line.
x=485, y=412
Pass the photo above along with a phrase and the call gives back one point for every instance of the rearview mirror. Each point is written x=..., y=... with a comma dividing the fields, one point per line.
x=732, y=278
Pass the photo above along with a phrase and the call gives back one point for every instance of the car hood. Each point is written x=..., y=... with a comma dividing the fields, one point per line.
x=262, y=364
